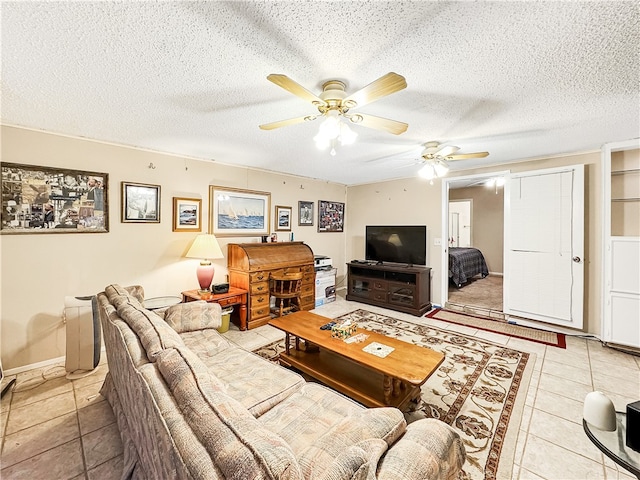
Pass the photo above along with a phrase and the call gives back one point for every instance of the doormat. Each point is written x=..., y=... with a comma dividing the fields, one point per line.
x=501, y=326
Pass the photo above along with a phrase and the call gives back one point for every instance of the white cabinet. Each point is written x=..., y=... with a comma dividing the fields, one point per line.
x=621, y=242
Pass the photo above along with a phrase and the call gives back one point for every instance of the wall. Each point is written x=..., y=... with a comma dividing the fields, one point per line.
x=487, y=216
x=39, y=270
x=414, y=201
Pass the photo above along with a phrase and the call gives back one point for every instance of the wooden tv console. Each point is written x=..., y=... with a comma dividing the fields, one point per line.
x=391, y=285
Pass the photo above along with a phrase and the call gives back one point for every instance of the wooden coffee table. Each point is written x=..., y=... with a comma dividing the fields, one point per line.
x=394, y=380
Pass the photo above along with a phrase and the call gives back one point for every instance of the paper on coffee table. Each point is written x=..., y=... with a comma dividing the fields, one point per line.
x=378, y=349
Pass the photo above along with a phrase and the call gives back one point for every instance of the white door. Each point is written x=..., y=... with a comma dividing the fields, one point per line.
x=544, y=245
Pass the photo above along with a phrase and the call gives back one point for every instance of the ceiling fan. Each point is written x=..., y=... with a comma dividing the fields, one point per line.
x=334, y=102
x=436, y=157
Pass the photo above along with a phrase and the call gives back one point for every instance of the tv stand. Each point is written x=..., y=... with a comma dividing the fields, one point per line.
x=396, y=286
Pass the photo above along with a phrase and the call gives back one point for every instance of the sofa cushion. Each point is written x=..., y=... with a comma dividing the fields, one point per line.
x=258, y=384
x=154, y=334
x=192, y=316
x=305, y=416
x=243, y=448
x=191, y=453
x=366, y=430
x=356, y=462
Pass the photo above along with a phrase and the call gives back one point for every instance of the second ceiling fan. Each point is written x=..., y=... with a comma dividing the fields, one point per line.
x=334, y=102
x=436, y=158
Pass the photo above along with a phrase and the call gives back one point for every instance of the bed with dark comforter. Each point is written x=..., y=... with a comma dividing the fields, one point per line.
x=465, y=263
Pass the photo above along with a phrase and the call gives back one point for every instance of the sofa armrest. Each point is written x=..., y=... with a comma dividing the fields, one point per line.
x=430, y=449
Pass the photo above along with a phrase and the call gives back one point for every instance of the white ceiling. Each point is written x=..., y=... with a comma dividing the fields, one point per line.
x=519, y=79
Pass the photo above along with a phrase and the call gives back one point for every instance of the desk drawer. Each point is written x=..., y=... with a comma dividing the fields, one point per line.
x=259, y=300
x=230, y=301
x=258, y=277
x=259, y=288
x=259, y=312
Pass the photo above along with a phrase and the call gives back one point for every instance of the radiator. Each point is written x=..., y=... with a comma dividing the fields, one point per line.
x=83, y=336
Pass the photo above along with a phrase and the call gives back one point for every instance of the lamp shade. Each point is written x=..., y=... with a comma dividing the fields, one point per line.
x=205, y=247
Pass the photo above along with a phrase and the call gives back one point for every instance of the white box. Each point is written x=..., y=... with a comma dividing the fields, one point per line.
x=325, y=286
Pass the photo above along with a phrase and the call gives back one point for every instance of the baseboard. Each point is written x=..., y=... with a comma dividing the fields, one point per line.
x=44, y=363
x=496, y=274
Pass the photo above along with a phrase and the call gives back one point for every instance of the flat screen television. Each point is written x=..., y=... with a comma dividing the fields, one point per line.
x=396, y=244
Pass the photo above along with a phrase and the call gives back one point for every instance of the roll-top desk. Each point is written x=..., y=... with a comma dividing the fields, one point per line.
x=250, y=265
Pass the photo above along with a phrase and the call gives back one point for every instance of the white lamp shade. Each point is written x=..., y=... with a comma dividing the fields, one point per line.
x=599, y=411
x=205, y=246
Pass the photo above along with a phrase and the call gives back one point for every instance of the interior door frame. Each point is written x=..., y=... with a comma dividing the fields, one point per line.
x=444, y=251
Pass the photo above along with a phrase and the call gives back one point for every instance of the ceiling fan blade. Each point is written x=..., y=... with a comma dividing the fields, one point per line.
x=295, y=88
x=446, y=151
x=285, y=123
x=385, y=85
x=379, y=123
x=464, y=156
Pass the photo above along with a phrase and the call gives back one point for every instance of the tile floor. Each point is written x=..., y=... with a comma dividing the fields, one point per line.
x=53, y=428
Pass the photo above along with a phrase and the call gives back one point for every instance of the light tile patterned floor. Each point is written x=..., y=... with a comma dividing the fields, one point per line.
x=53, y=428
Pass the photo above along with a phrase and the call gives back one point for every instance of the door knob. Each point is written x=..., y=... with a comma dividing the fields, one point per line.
x=576, y=259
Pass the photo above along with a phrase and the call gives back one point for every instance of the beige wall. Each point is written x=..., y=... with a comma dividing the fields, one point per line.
x=487, y=222
x=414, y=201
x=39, y=270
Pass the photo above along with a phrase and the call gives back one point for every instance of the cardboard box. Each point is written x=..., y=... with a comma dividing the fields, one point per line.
x=325, y=286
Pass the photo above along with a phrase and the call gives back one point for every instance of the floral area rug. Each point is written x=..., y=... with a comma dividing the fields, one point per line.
x=480, y=389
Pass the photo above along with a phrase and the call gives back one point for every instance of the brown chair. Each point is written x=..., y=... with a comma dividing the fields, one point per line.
x=285, y=287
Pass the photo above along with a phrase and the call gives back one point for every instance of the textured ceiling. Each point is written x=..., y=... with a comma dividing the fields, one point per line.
x=518, y=79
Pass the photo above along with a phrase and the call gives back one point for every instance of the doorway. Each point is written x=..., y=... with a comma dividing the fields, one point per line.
x=543, y=243
x=475, y=233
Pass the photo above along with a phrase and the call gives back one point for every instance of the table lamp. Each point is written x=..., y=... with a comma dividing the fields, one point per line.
x=205, y=247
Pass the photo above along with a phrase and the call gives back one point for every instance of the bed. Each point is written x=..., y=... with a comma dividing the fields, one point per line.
x=465, y=263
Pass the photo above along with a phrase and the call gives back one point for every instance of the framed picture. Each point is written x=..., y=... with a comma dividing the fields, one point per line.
x=305, y=213
x=140, y=203
x=238, y=213
x=187, y=214
x=283, y=218
x=330, y=216
x=39, y=200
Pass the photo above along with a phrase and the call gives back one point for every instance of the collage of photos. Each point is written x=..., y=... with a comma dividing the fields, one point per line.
x=49, y=200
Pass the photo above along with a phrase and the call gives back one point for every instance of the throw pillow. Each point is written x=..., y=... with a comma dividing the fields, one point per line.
x=192, y=316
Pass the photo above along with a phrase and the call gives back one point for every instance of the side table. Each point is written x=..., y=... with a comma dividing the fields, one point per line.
x=613, y=444
x=235, y=296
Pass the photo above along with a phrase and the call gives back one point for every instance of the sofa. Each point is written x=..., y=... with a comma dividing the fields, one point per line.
x=191, y=404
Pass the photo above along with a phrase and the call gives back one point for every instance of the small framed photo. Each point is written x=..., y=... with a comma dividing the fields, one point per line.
x=305, y=213
x=283, y=218
x=140, y=203
x=330, y=216
x=187, y=214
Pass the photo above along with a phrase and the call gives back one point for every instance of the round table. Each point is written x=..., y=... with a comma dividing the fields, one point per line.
x=613, y=444
x=161, y=302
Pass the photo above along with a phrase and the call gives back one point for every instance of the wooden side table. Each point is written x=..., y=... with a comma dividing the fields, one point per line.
x=235, y=296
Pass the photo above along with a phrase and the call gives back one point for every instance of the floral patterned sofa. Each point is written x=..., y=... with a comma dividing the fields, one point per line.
x=190, y=404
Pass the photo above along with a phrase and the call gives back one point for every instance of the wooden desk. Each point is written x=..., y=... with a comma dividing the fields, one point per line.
x=394, y=380
x=251, y=264
x=235, y=296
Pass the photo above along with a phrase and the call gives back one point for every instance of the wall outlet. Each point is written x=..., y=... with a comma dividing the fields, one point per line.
x=437, y=242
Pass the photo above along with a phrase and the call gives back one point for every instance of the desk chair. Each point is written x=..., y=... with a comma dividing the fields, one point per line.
x=285, y=287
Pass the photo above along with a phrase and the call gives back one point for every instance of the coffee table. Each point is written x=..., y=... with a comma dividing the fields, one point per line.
x=394, y=380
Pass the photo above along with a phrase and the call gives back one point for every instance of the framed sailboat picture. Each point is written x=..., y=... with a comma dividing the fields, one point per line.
x=238, y=213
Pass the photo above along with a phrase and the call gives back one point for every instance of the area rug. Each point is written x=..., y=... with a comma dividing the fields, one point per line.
x=500, y=326
x=479, y=389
